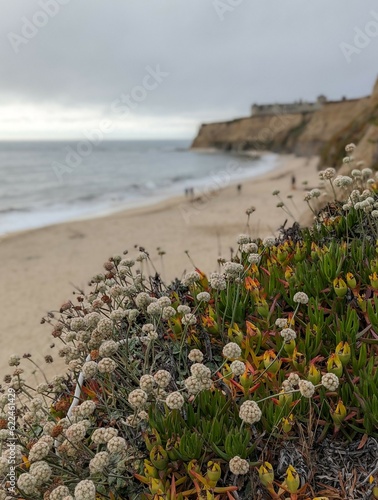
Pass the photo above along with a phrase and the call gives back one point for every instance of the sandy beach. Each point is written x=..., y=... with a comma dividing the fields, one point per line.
x=40, y=268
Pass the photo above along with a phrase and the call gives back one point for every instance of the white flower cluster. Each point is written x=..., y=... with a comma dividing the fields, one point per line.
x=288, y=334
x=99, y=462
x=250, y=412
x=343, y=181
x=191, y=278
x=269, y=241
x=239, y=466
x=137, y=398
x=281, y=322
x=237, y=367
x=254, y=258
x=76, y=432
x=330, y=381
x=217, y=281
x=300, y=298
x=162, y=378
x=249, y=248
x=41, y=449
x=116, y=445
x=231, y=350
x=189, y=319
x=107, y=365
x=200, y=379
x=232, y=270
x=103, y=435
x=195, y=356
x=175, y=401
x=85, y=490
x=203, y=297
x=306, y=388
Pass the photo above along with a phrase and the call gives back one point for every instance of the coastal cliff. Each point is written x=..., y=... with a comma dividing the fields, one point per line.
x=323, y=132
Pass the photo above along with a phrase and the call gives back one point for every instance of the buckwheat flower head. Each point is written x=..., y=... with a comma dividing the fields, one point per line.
x=306, y=388
x=14, y=360
x=168, y=312
x=366, y=172
x=250, y=412
x=104, y=434
x=154, y=309
x=195, y=356
x=99, y=462
x=237, y=367
x=107, y=365
x=300, y=298
x=41, y=471
x=189, y=319
x=286, y=386
x=217, y=281
x=193, y=385
x=191, y=278
x=269, y=241
x=85, y=490
x=174, y=401
x=356, y=173
x=142, y=300
x=59, y=493
x=231, y=351
x=86, y=409
x=39, y=450
x=374, y=214
x=294, y=379
x=330, y=381
x=147, y=383
x=183, y=309
x=232, y=270
x=77, y=324
x=243, y=239
x=117, y=315
x=164, y=301
x=27, y=483
x=348, y=159
x=254, y=258
x=200, y=371
x=76, y=433
x=108, y=348
x=315, y=193
x=288, y=334
x=116, y=445
x=329, y=173
x=249, y=248
x=137, y=398
x=105, y=327
x=238, y=466
x=162, y=378
x=349, y=148
x=90, y=369
x=281, y=322
x=203, y=297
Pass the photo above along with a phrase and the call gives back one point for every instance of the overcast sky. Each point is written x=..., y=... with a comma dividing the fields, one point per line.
x=158, y=68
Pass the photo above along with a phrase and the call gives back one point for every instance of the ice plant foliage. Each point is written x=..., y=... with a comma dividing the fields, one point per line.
x=186, y=390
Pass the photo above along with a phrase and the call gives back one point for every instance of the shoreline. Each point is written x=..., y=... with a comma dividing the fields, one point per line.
x=200, y=184
x=42, y=266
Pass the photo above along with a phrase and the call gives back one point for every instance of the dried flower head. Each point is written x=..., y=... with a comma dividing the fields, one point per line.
x=288, y=334
x=300, y=298
x=137, y=398
x=306, y=388
x=237, y=367
x=175, y=401
x=195, y=356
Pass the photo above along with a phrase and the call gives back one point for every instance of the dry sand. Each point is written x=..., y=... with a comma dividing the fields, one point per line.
x=41, y=267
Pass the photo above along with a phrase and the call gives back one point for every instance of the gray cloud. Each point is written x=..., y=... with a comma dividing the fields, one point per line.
x=91, y=52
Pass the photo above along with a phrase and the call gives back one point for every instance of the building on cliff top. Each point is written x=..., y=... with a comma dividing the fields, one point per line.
x=294, y=107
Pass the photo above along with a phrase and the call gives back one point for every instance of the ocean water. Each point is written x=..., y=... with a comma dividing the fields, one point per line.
x=43, y=183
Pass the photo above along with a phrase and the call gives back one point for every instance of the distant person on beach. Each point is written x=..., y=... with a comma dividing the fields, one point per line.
x=239, y=188
x=293, y=182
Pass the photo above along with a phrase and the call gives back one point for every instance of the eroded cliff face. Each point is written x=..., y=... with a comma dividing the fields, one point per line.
x=324, y=132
